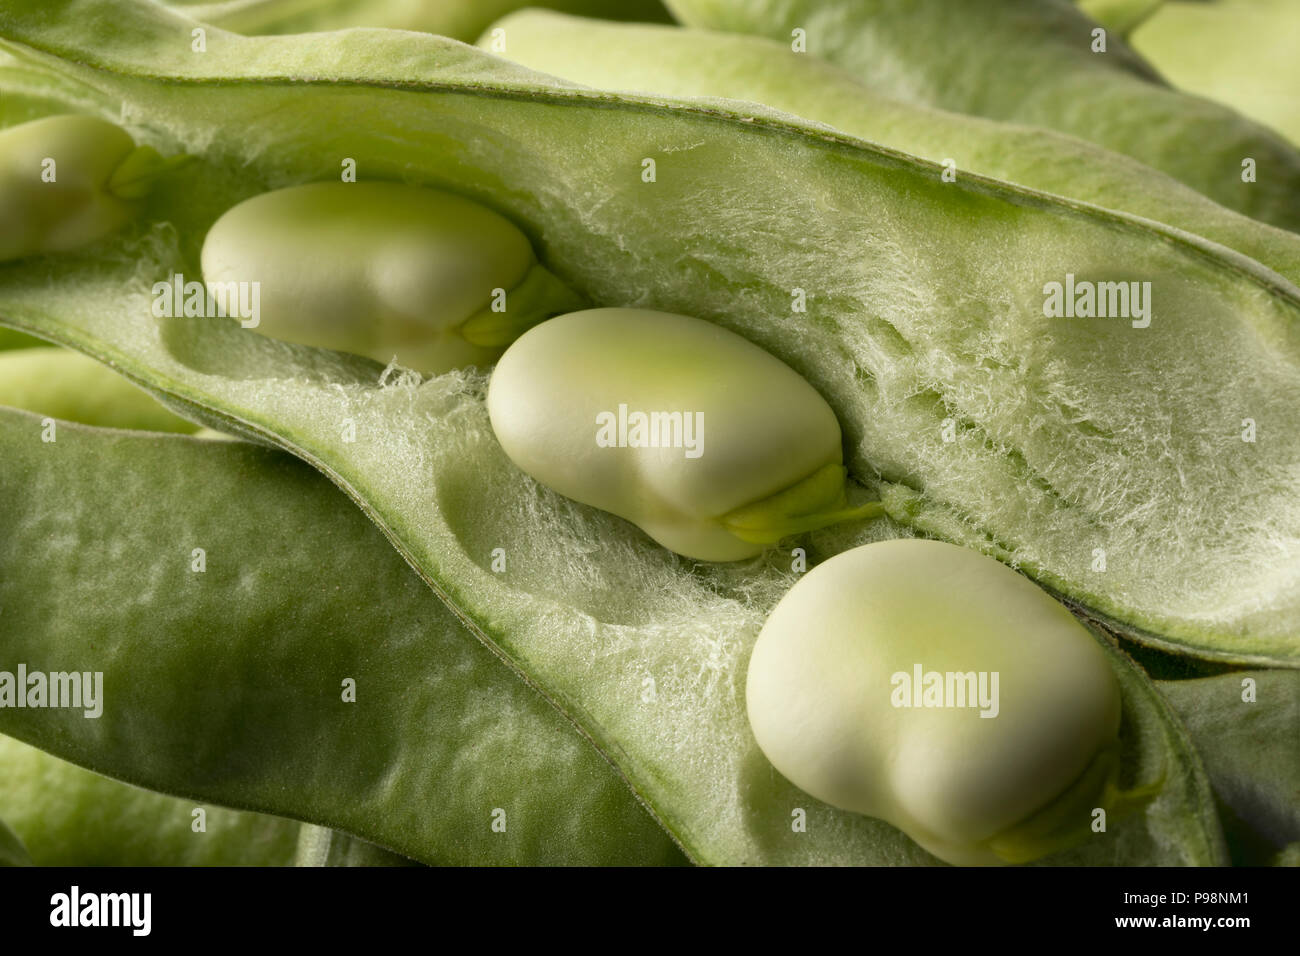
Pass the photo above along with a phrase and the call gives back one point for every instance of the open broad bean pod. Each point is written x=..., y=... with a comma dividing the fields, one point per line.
x=650, y=444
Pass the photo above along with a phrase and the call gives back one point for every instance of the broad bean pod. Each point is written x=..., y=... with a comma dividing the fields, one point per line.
x=1122, y=16
x=1238, y=52
x=1032, y=62
x=67, y=385
x=12, y=851
x=923, y=305
x=69, y=816
x=461, y=19
x=706, y=63
x=142, y=502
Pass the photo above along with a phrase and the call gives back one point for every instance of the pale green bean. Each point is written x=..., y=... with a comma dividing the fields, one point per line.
x=710, y=445
x=384, y=270
x=937, y=689
x=68, y=181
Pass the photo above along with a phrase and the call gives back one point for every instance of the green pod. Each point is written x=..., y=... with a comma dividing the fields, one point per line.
x=921, y=307
x=384, y=270
x=11, y=339
x=68, y=181
x=998, y=753
x=1121, y=16
x=1037, y=63
x=1245, y=726
x=12, y=851
x=69, y=816
x=96, y=534
x=705, y=63
x=459, y=19
x=710, y=445
x=74, y=387
x=321, y=846
x=1238, y=52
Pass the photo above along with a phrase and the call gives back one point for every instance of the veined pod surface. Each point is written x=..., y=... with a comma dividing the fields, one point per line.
x=709, y=444
x=67, y=181
x=384, y=270
x=935, y=688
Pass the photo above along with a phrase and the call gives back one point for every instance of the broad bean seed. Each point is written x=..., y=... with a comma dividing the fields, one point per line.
x=713, y=447
x=68, y=181
x=935, y=688
x=385, y=270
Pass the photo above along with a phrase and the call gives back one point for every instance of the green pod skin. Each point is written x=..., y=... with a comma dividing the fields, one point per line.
x=459, y=19
x=73, y=387
x=100, y=176
x=11, y=339
x=1120, y=16
x=1238, y=52
x=321, y=846
x=1032, y=63
x=384, y=270
x=823, y=702
x=12, y=851
x=684, y=62
x=66, y=815
x=770, y=455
